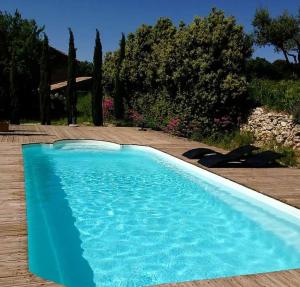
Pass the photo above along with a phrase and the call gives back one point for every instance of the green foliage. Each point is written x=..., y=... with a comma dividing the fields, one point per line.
x=71, y=88
x=289, y=156
x=84, y=106
x=235, y=139
x=260, y=68
x=97, y=89
x=4, y=95
x=84, y=68
x=122, y=123
x=109, y=70
x=59, y=121
x=44, y=88
x=194, y=72
x=229, y=140
x=119, y=88
x=276, y=95
x=14, y=91
x=283, y=32
x=21, y=37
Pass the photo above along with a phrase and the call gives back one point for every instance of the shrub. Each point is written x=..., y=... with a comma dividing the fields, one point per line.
x=173, y=126
x=228, y=140
x=84, y=106
x=135, y=117
x=276, y=95
x=108, y=108
x=289, y=156
x=194, y=73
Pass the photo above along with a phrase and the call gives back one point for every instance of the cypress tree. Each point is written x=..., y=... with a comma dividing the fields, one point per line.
x=4, y=93
x=14, y=91
x=119, y=85
x=71, y=87
x=44, y=88
x=97, y=89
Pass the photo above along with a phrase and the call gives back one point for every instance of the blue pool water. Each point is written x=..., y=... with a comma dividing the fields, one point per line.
x=111, y=216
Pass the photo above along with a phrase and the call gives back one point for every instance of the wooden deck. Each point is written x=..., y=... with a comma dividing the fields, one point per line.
x=280, y=183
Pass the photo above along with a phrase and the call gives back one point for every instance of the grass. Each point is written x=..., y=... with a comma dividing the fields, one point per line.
x=290, y=157
x=121, y=123
x=29, y=121
x=276, y=95
x=80, y=120
x=84, y=110
x=84, y=107
x=232, y=140
x=83, y=120
x=229, y=140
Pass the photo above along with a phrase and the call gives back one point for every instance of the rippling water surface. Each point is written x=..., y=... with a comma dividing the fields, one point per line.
x=130, y=218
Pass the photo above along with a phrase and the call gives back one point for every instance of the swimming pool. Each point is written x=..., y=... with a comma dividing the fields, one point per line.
x=101, y=214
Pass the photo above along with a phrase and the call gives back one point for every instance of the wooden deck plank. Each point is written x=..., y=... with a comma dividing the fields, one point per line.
x=280, y=183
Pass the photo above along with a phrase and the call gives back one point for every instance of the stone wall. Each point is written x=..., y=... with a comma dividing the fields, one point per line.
x=273, y=126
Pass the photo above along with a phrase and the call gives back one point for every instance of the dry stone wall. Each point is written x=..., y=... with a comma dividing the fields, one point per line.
x=270, y=126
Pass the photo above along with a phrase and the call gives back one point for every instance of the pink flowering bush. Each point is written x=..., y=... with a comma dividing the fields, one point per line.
x=108, y=108
x=173, y=126
x=136, y=117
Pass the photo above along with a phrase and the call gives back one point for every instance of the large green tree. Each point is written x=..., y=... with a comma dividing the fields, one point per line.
x=194, y=73
x=44, y=88
x=84, y=68
x=109, y=70
x=119, y=83
x=71, y=87
x=21, y=37
x=14, y=91
x=97, y=89
x=4, y=95
x=282, y=32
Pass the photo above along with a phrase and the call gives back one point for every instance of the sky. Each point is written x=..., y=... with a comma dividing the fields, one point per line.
x=112, y=17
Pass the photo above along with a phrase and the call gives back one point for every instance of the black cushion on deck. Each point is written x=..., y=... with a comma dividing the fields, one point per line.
x=198, y=153
x=234, y=155
x=263, y=159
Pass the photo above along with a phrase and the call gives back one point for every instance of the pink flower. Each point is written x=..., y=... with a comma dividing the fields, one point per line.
x=108, y=104
x=135, y=116
x=108, y=107
x=173, y=125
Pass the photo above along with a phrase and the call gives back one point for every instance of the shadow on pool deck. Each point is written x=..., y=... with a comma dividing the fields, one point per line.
x=242, y=157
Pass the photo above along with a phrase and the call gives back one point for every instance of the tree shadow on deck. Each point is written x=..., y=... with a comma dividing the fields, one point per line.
x=23, y=133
